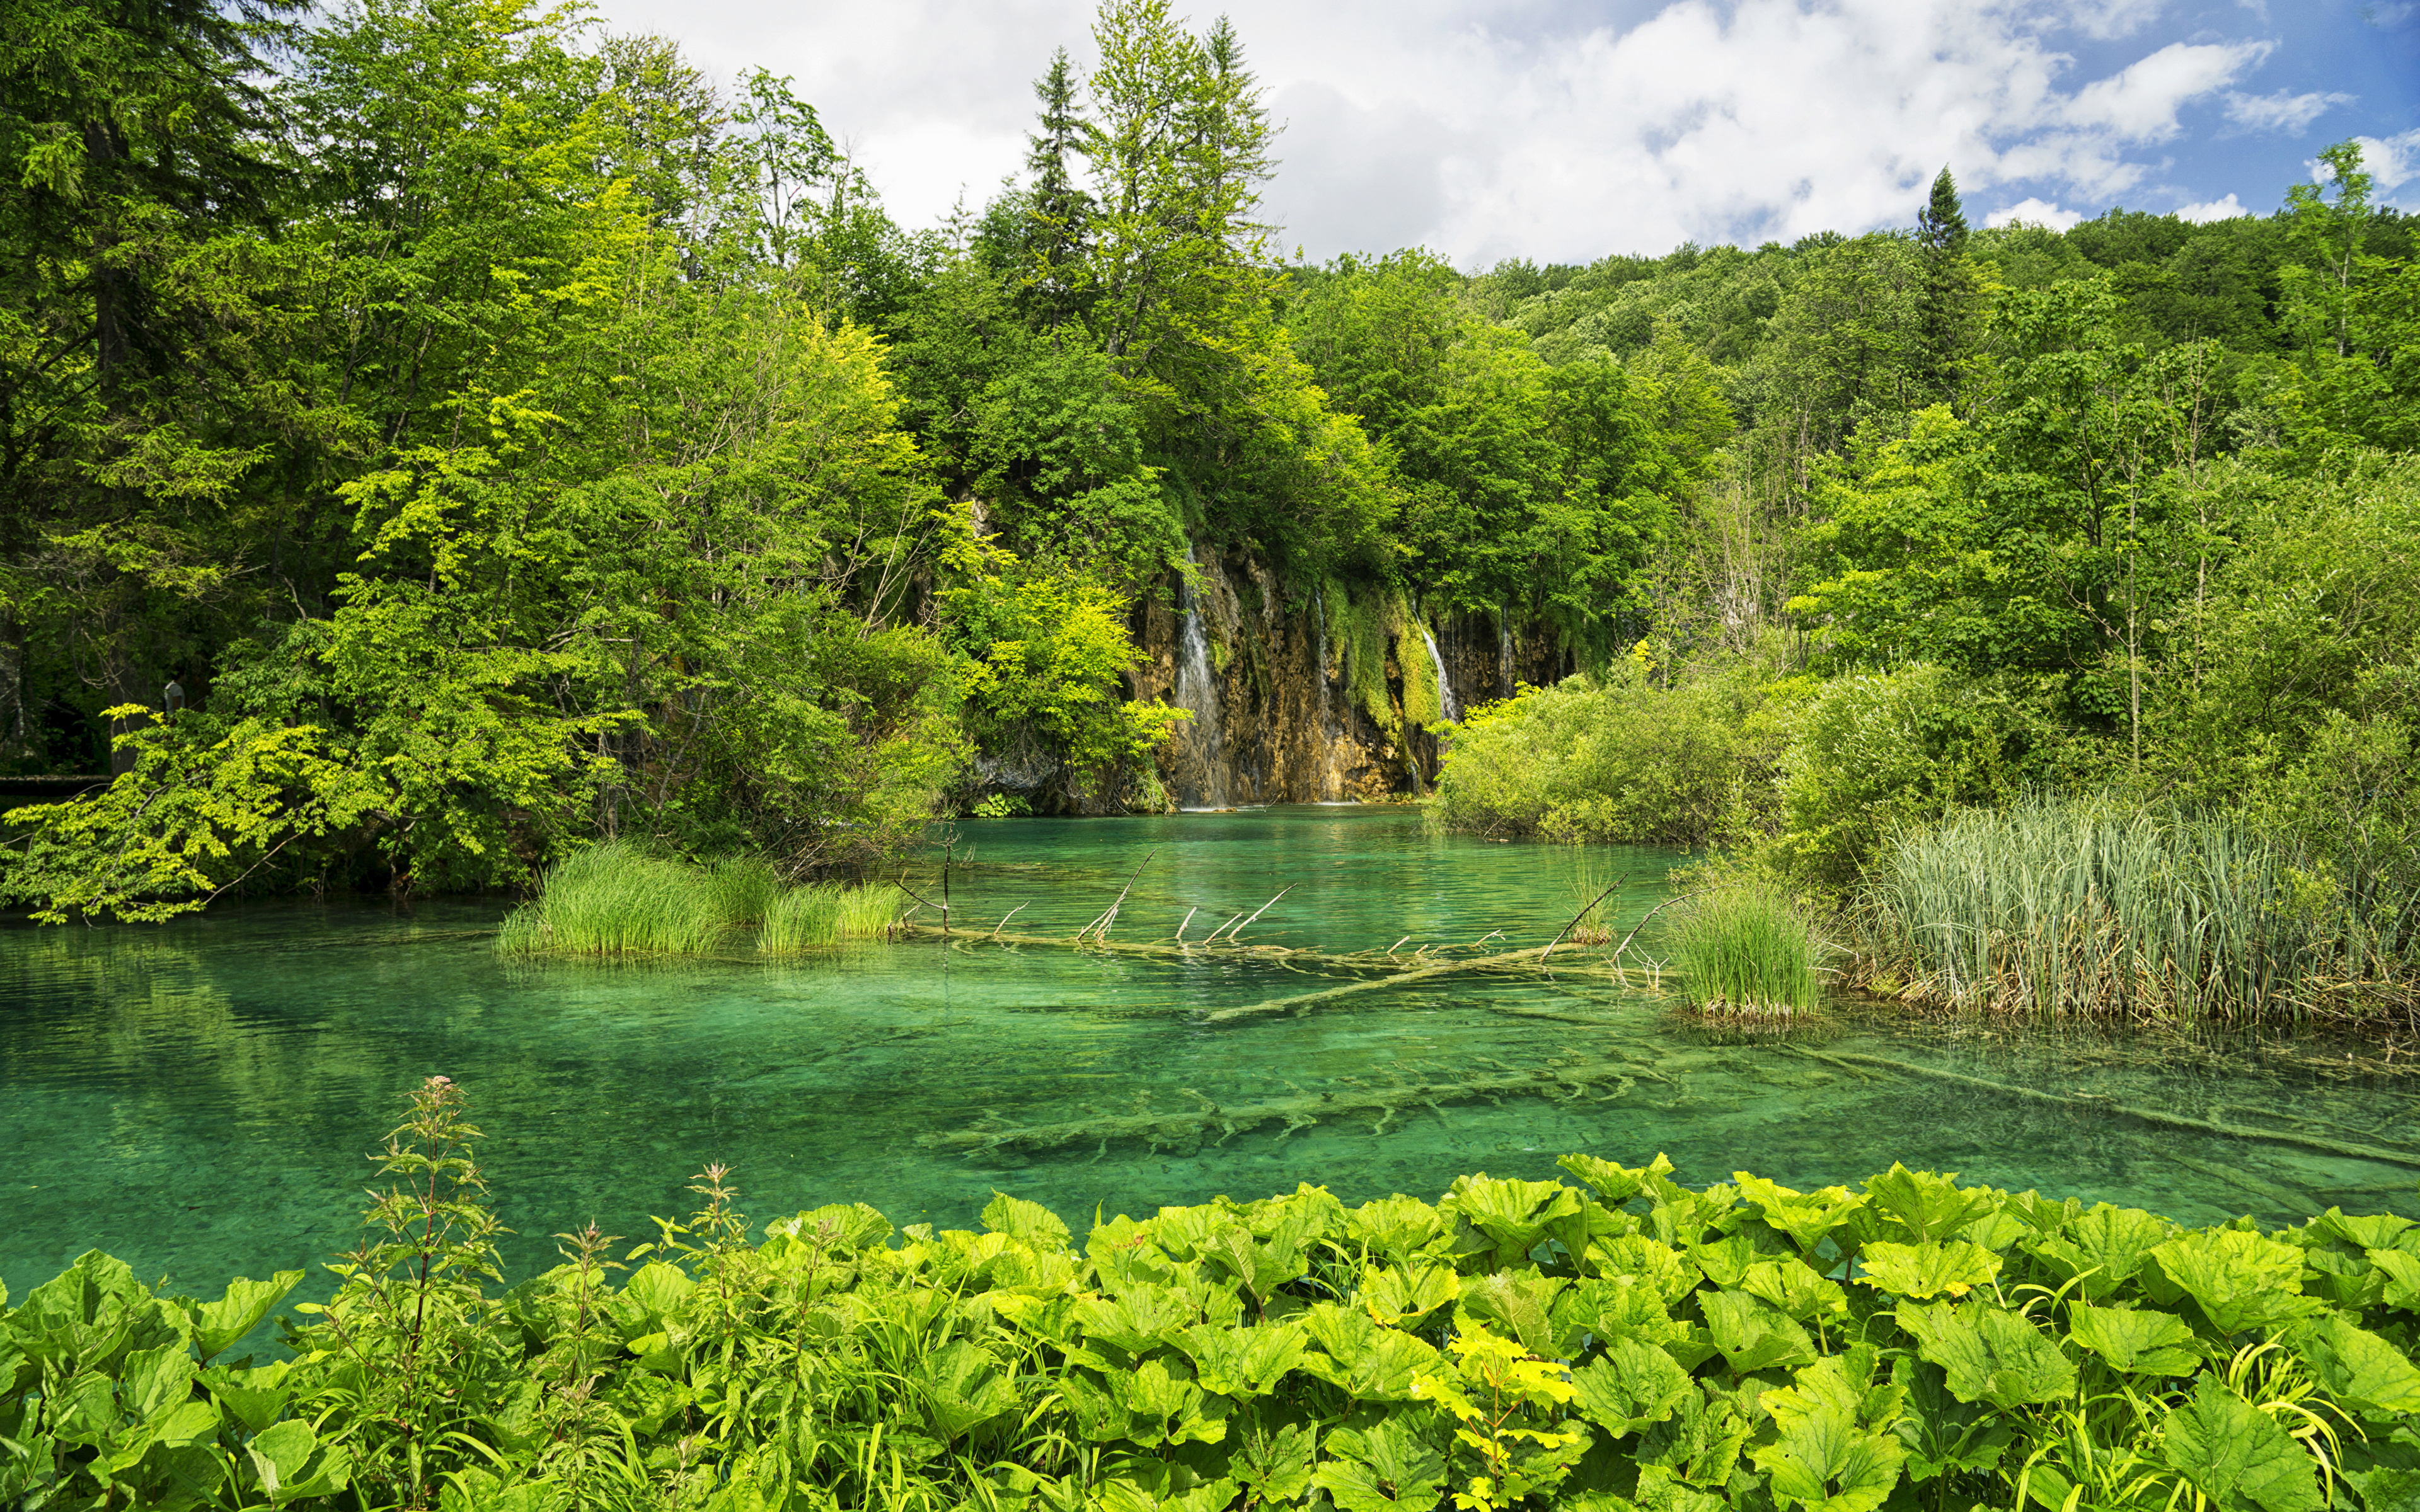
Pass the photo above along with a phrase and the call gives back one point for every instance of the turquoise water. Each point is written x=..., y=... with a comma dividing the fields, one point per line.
x=201, y=1099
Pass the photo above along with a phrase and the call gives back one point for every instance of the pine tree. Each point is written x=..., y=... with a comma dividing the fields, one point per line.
x=1060, y=209
x=1949, y=298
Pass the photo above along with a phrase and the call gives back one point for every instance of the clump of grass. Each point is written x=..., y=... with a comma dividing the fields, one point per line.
x=1745, y=951
x=743, y=889
x=1588, y=878
x=821, y=916
x=2072, y=906
x=616, y=900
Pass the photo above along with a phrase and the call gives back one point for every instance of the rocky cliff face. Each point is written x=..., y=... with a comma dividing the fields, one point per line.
x=1317, y=694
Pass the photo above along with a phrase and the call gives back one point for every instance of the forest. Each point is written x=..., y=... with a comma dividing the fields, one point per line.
x=437, y=436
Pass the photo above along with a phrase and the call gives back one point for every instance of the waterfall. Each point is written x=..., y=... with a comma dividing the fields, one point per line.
x=1202, y=769
x=1445, y=681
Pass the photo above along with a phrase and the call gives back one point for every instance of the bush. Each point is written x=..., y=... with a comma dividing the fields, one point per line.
x=1626, y=1344
x=1610, y=760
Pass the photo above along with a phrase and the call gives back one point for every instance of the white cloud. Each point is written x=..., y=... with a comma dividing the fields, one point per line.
x=2217, y=209
x=2108, y=19
x=1546, y=129
x=2034, y=212
x=2393, y=161
x=2284, y=111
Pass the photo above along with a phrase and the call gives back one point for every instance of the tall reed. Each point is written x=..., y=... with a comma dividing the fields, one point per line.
x=616, y=900
x=821, y=916
x=2072, y=906
x=1747, y=951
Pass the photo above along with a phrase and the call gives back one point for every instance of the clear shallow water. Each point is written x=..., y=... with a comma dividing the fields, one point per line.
x=200, y=1099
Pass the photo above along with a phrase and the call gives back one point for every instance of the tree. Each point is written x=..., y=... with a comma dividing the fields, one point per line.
x=1948, y=299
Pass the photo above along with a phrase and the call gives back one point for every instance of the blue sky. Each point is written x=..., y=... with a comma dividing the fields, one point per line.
x=1565, y=129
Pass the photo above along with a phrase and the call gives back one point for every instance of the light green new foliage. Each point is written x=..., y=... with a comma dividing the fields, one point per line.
x=1745, y=950
x=2076, y=907
x=823, y=916
x=616, y=900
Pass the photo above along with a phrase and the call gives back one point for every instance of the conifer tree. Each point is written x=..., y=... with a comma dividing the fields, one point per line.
x=1059, y=208
x=1950, y=295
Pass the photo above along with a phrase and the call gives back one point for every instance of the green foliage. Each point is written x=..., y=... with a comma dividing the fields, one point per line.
x=1632, y=1343
x=1619, y=758
x=821, y=916
x=615, y=899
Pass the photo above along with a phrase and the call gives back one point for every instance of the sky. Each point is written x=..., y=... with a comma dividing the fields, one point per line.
x=1563, y=130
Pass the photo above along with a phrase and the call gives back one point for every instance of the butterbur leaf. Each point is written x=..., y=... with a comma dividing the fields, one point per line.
x=1029, y=1221
x=1699, y=1444
x=835, y=1227
x=1386, y=1466
x=1632, y=1386
x=1514, y=1215
x=2238, y=1455
x=1943, y=1435
x=1808, y=1218
x=1397, y=1227
x=1617, y=1184
x=256, y=1397
x=1139, y=1320
x=963, y=1388
x=1359, y=1357
x=2105, y=1246
x=2401, y=1269
x=2240, y=1280
x=1615, y=1309
x=2386, y=1473
x=1646, y=1260
x=1842, y=1383
x=1519, y=1303
x=1243, y=1362
x=2363, y=1231
x=1926, y=1205
x=2137, y=1341
x=1933, y=1269
x=1794, y=1286
x=1752, y=1333
x=1826, y=1462
x=2359, y=1368
x=292, y=1464
x=1271, y=1459
x=152, y=1381
x=1392, y=1296
x=1991, y=1356
x=1660, y=1491
x=219, y=1324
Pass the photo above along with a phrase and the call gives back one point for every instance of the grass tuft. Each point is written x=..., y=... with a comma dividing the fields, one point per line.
x=1746, y=952
x=823, y=916
x=616, y=900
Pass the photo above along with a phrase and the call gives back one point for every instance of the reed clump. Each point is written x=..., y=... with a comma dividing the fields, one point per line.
x=821, y=916
x=618, y=900
x=615, y=899
x=2084, y=907
x=1747, y=951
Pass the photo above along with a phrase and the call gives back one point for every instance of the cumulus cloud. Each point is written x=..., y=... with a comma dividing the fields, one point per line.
x=2036, y=212
x=2394, y=161
x=1549, y=129
x=2284, y=111
x=2216, y=209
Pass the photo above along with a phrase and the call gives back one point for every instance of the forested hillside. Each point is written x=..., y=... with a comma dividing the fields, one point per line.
x=437, y=434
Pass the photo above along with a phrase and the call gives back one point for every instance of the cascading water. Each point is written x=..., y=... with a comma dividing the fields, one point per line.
x=1445, y=679
x=1332, y=745
x=1202, y=764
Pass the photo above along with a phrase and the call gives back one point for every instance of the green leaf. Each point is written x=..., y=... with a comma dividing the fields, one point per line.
x=1752, y=1333
x=2105, y=1246
x=2238, y=1455
x=292, y=1464
x=1990, y=1355
x=1396, y=1296
x=1617, y=1184
x=1701, y=1442
x=1363, y=1359
x=156, y=1381
x=1807, y=1218
x=1514, y=1215
x=1623, y=1308
x=1521, y=1302
x=2241, y=1280
x=1842, y=1383
x=1942, y=1434
x=1645, y=1259
x=1925, y=1205
x=2363, y=1231
x=2358, y=1368
x=1825, y=1463
x=1244, y=1362
x=1029, y=1221
x=1630, y=1387
x=1383, y=1467
x=1937, y=1267
x=1140, y=1318
x=2401, y=1269
x=219, y=1324
x=2139, y=1342
x=1794, y=1286
x=963, y=1388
